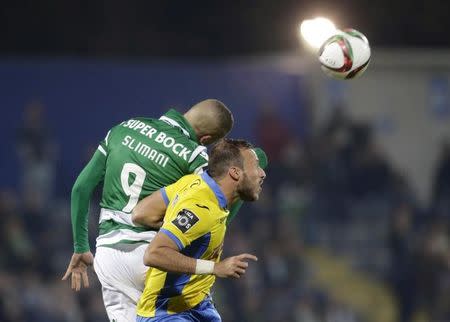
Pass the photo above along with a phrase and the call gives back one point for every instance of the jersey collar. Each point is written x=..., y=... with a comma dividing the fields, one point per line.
x=216, y=189
x=177, y=119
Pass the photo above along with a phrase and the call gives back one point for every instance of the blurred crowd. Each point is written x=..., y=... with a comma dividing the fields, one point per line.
x=334, y=191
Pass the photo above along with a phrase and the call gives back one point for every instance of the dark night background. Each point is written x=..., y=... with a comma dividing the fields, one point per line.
x=207, y=28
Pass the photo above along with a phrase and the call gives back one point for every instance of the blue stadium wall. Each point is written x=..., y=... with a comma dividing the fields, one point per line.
x=84, y=98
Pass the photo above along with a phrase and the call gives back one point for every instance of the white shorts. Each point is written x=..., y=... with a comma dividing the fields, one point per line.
x=121, y=272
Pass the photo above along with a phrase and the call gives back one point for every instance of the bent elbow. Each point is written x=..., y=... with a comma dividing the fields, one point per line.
x=145, y=220
x=138, y=217
x=149, y=257
x=147, y=261
x=135, y=218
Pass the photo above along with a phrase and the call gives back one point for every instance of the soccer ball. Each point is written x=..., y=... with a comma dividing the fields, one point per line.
x=345, y=55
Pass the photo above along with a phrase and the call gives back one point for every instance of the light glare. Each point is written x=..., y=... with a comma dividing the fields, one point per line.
x=316, y=31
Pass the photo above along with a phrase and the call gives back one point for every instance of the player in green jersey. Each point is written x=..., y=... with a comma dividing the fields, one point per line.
x=136, y=158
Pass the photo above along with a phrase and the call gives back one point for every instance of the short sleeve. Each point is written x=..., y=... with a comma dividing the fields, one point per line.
x=169, y=192
x=103, y=147
x=198, y=160
x=186, y=222
x=165, y=195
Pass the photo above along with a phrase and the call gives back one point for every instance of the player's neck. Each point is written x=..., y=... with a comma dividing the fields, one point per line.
x=228, y=188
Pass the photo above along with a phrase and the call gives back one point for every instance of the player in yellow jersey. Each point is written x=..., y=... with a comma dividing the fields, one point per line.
x=185, y=254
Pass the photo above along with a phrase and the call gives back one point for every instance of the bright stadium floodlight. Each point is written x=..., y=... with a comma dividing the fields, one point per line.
x=315, y=31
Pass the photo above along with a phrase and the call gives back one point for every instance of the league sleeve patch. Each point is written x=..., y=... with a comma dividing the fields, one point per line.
x=185, y=220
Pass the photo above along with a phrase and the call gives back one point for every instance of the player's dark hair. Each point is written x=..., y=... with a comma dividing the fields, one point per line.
x=225, y=154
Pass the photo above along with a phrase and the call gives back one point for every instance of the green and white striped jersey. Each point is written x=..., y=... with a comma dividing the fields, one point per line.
x=143, y=155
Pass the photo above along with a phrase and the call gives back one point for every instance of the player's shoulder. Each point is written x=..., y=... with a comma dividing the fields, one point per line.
x=136, y=121
x=191, y=188
x=201, y=197
x=184, y=184
x=132, y=123
x=202, y=208
x=190, y=180
x=174, y=124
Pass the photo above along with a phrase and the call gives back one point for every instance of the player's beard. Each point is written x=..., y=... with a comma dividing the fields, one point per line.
x=246, y=190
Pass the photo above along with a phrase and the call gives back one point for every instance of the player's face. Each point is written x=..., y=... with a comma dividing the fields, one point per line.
x=250, y=184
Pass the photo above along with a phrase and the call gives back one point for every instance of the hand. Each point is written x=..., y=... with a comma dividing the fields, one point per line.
x=78, y=270
x=233, y=266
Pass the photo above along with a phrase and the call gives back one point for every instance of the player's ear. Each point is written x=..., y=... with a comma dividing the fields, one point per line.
x=235, y=173
x=206, y=139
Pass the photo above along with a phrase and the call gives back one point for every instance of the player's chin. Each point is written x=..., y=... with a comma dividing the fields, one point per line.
x=256, y=194
x=250, y=193
x=249, y=196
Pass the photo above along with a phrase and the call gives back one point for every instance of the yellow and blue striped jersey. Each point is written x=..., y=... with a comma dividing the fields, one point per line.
x=196, y=221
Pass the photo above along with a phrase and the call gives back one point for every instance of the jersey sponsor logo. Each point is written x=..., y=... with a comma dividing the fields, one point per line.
x=136, y=125
x=185, y=220
x=160, y=137
x=169, y=142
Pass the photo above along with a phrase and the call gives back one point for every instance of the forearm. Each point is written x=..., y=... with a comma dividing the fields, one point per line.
x=79, y=215
x=169, y=260
x=164, y=253
x=82, y=190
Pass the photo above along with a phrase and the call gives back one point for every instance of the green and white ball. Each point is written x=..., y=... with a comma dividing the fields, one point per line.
x=345, y=55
